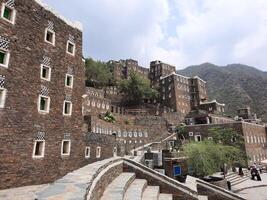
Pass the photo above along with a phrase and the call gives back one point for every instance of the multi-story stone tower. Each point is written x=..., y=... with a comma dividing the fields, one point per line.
x=159, y=69
x=41, y=84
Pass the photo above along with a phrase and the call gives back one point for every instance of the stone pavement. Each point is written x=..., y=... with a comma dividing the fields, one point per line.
x=71, y=186
x=252, y=190
x=21, y=193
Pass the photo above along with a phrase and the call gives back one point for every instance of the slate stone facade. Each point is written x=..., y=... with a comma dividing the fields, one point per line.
x=21, y=123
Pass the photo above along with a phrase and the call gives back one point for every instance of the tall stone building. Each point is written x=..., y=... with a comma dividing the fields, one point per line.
x=157, y=70
x=198, y=91
x=182, y=94
x=123, y=68
x=174, y=90
x=41, y=84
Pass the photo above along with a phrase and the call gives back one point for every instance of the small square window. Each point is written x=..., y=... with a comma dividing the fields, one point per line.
x=87, y=152
x=71, y=48
x=4, y=58
x=8, y=13
x=65, y=148
x=98, y=152
x=44, y=104
x=45, y=72
x=50, y=36
x=2, y=97
x=69, y=81
x=67, y=108
x=38, y=149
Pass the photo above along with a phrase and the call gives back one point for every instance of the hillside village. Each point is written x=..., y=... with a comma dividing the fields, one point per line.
x=88, y=141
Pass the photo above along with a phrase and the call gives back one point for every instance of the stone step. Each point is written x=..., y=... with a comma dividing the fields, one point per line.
x=151, y=193
x=116, y=189
x=163, y=196
x=135, y=190
x=240, y=181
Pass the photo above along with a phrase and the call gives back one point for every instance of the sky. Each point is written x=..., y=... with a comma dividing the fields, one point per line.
x=178, y=32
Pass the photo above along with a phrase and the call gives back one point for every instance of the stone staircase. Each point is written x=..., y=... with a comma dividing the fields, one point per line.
x=236, y=179
x=127, y=187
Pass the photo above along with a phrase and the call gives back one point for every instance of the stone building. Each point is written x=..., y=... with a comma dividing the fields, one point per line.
x=182, y=94
x=254, y=135
x=212, y=107
x=198, y=91
x=157, y=70
x=123, y=68
x=41, y=85
x=94, y=102
x=174, y=92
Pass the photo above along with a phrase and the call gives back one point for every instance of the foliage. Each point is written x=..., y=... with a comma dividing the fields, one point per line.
x=136, y=89
x=126, y=121
x=98, y=74
x=226, y=136
x=109, y=117
x=207, y=157
x=180, y=130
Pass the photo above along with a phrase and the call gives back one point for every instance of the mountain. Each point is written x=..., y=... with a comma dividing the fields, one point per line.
x=236, y=85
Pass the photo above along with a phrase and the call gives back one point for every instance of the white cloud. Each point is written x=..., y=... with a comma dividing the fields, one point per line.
x=180, y=32
x=222, y=31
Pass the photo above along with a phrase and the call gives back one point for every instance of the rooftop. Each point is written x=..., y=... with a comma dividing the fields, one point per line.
x=74, y=24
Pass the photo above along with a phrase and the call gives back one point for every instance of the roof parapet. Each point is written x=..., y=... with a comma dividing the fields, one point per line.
x=76, y=24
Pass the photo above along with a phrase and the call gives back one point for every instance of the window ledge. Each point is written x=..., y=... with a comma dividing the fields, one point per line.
x=9, y=21
x=43, y=112
x=3, y=65
x=38, y=157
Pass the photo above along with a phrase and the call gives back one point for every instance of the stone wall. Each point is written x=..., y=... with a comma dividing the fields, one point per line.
x=21, y=124
x=94, y=102
x=166, y=184
x=254, y=137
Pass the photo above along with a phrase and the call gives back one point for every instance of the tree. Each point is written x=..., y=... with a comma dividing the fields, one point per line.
x=98, y=74
x=136, y=89
x=207, y=157
x=181, y=131
x=226, y=136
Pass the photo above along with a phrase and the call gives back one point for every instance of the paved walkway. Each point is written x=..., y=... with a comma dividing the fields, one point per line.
x=253, y=190
x=21, y=193
x=71, y=186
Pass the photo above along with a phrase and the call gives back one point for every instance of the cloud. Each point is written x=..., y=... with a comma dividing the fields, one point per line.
x=222, y=31
x=180, y=32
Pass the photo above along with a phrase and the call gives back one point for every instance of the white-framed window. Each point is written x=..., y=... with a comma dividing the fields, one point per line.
x=8, y=13
x=98, y=152
x=70, y=48
x=4, y=58
x=210, y=138
x=43, y=104
x=115, y=151
x=65, y=147
x=3, y=92
x=145, y=134
x=45, y=72
x=198, y=138
x=38, y=149
x=130, y=134
x=87, y=152
x=191, y=134
x=69, y=80
x=67, y=108
x=50, y=36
